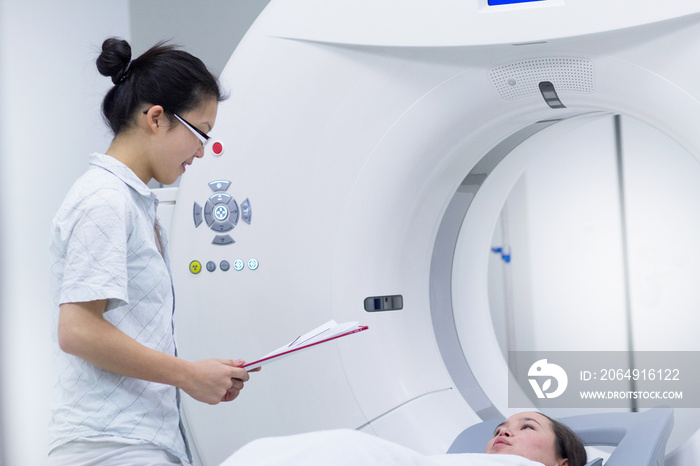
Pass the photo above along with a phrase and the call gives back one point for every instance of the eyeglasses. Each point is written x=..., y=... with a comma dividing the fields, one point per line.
x=201, y=135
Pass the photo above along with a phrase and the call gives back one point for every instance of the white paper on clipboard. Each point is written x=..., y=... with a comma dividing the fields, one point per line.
x=331, y=330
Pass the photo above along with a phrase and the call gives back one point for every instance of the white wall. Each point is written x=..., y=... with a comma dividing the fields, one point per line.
x=50, y=94
x=565, y=226
x=576, y=242
x=663, y=212
x=567, y=266
x=563, y=223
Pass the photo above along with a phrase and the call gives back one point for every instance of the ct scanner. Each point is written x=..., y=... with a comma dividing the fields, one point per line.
x=364, y=143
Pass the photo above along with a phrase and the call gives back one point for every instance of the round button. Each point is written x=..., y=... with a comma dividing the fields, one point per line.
x=220, y=212
x=211, y=266
x=195, y=267
x=217, y=148
x=224, y=265
x=253, y=264
x=238, y=265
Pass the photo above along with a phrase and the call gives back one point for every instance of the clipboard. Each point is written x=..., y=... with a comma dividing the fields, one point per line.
x=322, y=334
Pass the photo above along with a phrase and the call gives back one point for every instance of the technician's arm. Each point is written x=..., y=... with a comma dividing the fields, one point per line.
x=83, y=332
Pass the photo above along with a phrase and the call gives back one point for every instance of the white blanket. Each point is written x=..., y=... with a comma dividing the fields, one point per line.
x=352, y=448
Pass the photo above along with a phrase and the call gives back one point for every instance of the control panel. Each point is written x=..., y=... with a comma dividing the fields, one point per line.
x=221, y=213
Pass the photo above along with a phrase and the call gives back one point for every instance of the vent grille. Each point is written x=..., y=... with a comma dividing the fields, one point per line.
x=522, y=78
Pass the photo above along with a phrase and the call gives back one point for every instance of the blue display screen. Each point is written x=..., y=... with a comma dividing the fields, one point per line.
x=508, y=2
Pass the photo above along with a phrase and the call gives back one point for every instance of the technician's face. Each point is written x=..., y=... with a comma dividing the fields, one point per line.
x=529, y=435
x=181, y=145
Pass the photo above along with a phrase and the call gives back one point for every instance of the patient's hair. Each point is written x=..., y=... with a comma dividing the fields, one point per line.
x=569, y=445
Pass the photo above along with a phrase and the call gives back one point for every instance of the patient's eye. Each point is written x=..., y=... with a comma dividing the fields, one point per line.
x=528, y=426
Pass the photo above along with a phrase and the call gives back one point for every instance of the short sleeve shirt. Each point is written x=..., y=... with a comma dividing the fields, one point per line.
x=106, y=243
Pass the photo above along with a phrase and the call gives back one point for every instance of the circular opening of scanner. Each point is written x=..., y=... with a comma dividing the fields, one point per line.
x=557, y=277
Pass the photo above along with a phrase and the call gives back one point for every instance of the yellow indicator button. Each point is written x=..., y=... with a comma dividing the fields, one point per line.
x=195, y=267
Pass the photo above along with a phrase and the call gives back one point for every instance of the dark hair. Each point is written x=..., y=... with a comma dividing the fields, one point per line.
x=569, y=445
x=163, y=75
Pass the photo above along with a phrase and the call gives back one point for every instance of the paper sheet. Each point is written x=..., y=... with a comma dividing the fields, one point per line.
x=326, y=332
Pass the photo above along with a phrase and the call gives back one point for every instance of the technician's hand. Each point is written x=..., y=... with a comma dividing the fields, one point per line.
x=215, y=380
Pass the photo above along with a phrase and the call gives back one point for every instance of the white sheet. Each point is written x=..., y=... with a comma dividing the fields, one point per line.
x=346, y=447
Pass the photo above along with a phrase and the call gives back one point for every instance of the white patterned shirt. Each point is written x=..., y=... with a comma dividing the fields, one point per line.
x=104, y=245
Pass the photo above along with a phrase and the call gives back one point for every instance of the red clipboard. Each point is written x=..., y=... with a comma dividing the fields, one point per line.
x=309, y=340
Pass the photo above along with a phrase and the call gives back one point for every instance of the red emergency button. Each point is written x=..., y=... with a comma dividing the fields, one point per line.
x=217, y=148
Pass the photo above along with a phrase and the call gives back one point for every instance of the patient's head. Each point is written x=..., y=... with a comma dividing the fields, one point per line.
x=538, y=438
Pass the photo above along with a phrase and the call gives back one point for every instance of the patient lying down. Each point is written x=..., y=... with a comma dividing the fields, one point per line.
x=524, y=439
x=539, y=438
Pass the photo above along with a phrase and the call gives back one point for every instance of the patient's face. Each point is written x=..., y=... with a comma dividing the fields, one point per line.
x=529, y=435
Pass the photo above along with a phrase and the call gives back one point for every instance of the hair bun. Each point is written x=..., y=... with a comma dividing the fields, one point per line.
x=114, y=59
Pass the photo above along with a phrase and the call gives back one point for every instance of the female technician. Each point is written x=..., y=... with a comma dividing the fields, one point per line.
x=116, y=399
